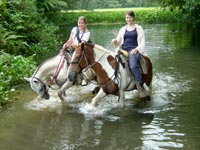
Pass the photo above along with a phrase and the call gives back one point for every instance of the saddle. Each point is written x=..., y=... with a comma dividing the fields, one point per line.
x=143, y=65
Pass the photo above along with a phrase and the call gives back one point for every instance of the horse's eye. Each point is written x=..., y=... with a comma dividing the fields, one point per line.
x=35, y=81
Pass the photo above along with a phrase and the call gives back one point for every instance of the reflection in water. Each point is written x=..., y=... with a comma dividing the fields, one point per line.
x=77, y=132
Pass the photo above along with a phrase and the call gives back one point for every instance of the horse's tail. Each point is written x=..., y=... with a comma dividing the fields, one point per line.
x=147, y=78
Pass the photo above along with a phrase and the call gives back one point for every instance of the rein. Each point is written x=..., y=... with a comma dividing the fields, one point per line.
x=60, y=66
x=92, y=65
x=79, y=59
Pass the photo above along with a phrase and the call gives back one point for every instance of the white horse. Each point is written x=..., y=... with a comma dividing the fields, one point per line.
x=53, y=71
x=112, y=73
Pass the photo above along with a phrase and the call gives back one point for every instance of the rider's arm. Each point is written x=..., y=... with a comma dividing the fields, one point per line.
x=118, y=41
x=140, y=39
x=69, y=42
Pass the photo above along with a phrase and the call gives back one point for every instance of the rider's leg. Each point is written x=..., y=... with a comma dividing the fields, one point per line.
x=135, y=67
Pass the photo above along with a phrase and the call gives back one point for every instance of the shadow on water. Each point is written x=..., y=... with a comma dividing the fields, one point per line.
x=163, y=123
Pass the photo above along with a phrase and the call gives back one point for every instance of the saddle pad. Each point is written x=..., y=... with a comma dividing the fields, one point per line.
x=143, y=65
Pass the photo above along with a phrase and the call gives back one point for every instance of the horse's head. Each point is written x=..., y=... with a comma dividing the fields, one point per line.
x=83, y=56
x=38, y=86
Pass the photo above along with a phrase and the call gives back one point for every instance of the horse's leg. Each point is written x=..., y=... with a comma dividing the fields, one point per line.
x=65, y=86
x=144, y=95
x=121, y=97
x=99, y=95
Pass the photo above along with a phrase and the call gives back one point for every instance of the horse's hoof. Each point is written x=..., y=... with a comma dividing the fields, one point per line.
x=96, y=90
x=121, y=105
x=146, y=98
x=149, y=98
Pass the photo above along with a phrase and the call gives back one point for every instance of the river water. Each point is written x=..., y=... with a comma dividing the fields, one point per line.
x=170, y=121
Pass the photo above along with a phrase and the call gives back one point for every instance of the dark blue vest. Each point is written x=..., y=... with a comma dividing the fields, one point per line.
x=130, y=40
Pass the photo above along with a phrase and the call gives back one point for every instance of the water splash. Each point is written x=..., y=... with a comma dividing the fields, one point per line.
x=101, y=109
x=165, y=89
x=53, y=104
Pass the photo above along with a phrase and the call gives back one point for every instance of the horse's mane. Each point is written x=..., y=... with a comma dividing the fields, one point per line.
x=102, y=49
x=89, y=51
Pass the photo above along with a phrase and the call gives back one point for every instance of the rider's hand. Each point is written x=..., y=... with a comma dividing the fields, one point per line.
x=134, y=51
x=114, y=41
x=67, y=44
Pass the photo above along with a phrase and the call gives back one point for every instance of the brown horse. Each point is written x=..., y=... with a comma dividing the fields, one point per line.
x=113, y=75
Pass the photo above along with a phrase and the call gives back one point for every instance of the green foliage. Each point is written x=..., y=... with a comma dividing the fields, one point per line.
x=190, y=10
x=50, y=8
x=173, y=4
x=193, y=12
x=23, y=29
x=12, y=70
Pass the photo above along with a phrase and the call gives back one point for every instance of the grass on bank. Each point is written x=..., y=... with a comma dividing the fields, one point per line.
x=113, y=9
x=116, y=15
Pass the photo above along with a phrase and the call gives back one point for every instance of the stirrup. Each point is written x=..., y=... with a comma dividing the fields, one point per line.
x=84, y=83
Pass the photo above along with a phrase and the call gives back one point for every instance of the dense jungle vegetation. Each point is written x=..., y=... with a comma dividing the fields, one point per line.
x=29, y=28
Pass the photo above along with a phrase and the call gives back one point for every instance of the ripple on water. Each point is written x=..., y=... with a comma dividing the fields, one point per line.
x=158, y=135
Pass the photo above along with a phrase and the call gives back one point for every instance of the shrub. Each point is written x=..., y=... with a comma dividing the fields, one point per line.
x=12, y=70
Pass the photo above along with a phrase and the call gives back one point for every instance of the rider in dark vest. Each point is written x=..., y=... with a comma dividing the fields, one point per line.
x=131, y=38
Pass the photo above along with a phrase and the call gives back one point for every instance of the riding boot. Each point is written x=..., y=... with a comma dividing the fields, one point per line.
x=143, y=92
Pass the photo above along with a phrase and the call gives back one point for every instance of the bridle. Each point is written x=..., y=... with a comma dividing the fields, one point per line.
x=44, y=86
x=82, y=56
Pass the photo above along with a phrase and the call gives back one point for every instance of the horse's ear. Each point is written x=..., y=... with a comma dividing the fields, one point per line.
x=27, y=79
x=82, y=45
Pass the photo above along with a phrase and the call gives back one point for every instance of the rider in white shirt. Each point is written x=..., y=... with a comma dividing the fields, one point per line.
x=78, y=34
